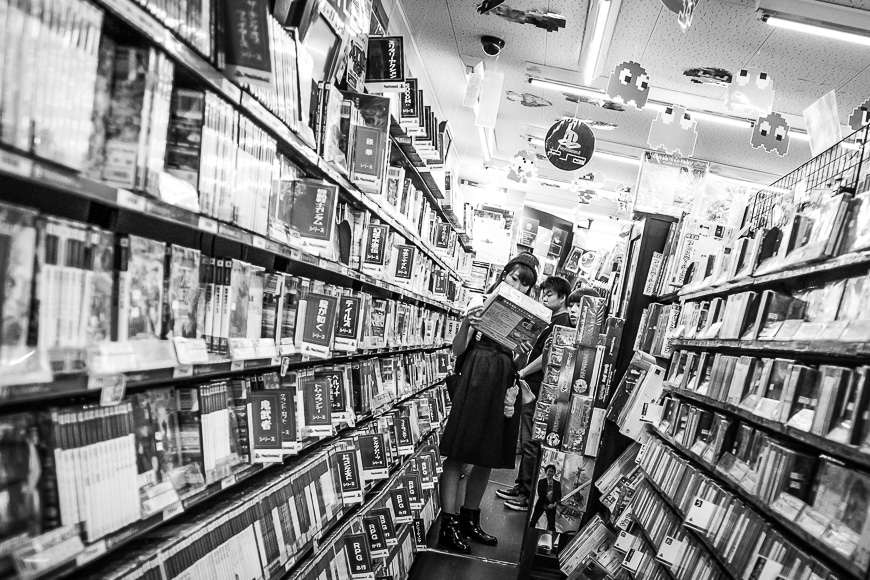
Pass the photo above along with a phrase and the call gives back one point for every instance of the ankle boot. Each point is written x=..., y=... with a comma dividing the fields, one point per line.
x=469, y=524
x=450, y=537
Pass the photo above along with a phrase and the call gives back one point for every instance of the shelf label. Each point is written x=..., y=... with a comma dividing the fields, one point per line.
x=173, y=510
x=259, y=242
x=129, y=200
x=15, y=164
x=208, y=225
x=228, y=481
x=190, y=351
x=91, y=552
x=670, y=551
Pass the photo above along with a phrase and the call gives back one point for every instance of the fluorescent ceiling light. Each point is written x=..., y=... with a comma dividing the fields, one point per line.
x=535, y=141
x=567, y=88
x=484, y=144
x=555, y=182
x=798, y=135
x=615, y=157
x=594, y=49
x=721, y=119
x=817, y=30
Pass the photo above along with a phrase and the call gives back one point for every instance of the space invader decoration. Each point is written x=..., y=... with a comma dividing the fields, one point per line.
x=687, y=12
x=629, y=84
x=750, y=93
x=860, y=116
x=674, y=130
x=523, y=167
x=772, y=133
x=569, y=144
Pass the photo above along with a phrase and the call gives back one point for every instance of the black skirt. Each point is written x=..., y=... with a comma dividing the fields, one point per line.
x=477, y=431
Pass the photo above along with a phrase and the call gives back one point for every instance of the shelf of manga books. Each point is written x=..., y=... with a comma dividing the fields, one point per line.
x=214, y=152
x=807, y=348
x=173, y=449
x=626, y=542
x=746, y=516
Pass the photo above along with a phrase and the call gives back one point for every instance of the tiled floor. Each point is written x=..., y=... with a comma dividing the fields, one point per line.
x=486, y=562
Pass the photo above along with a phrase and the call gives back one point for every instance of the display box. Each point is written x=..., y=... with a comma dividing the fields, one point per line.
x=509, y=317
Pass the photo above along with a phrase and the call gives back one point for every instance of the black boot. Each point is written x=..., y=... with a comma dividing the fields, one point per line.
x=469, y=524
x=450, y=537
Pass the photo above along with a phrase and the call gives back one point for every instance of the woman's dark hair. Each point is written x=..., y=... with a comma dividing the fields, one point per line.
x=525, y=273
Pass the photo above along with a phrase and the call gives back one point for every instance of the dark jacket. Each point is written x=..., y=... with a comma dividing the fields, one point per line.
x=542, y=491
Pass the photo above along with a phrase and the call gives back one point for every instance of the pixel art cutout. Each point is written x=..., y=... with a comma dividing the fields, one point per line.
x=687, y=12
x=523, y=167
x=750, y=93
x=771, y=132
x=629, y=84
x=860, y=116
x=674, y=130
x=569, y=144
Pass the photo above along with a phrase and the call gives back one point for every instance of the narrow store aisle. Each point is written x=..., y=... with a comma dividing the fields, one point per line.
x=486, y=562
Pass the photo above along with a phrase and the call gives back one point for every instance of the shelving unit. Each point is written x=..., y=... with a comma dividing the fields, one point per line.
x=806, y=348
x=789, y=529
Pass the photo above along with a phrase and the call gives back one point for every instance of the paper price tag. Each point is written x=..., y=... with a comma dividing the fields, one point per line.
x=670, y=551
x=91, y=552
x=12, y=163
x=633, y=560
x=130, y=200
x=173, y=511
x=112, y=388
x=700, y=514
x=624, y=541
x=228, y=481
x=208, y=225
x=259, y=242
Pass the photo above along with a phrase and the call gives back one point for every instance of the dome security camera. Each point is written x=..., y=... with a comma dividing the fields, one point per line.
x=491, y=45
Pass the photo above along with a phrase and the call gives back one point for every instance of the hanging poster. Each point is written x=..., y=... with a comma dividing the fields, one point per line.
x=385, y=64
x=528, y=231
x=248, y=55
x=492, y=234
x=823, y=123
x=668, y=184
x=569, y=144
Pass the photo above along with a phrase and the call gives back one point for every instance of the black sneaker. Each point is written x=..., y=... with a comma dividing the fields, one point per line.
x=520, y=504
x=509, y=493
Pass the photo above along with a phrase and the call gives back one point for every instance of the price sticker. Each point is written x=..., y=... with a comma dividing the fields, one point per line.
x=259, y=242
x=700, y=514
x=15, y=164
x=228, y=481
x=633, y=560
x=173, y=510
x=670, y=551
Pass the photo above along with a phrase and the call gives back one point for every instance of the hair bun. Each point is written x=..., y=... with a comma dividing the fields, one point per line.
x=525, y=258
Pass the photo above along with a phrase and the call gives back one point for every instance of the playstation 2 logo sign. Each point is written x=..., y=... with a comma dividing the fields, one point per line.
x=569, y=144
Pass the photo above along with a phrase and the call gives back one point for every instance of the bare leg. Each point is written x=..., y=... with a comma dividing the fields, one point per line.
x=450, y=485
x=478, y=479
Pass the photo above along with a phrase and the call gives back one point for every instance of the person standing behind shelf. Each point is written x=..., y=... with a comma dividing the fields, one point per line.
x=554, y=295
x=477, y=431
x=549, y=496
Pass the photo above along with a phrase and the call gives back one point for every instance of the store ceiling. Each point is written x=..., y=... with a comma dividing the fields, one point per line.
x=724, y=34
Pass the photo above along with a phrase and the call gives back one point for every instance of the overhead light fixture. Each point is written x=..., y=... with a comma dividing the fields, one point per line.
x=593, y=51
x=721, y=119
x=567, y=88
x=484, y=144
x=823, y=19
x=535, y=141
x=615, y=157
x=554, y=182
x=817, y=30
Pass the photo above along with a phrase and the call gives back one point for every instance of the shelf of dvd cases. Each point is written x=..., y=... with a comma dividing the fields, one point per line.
x=649, y=542
x=792, y=531
x=198, y=499
x=840, y=264
x=849, y=453
x=667, y=501
x=138, y=206
x=815, y=348
x=137, y=17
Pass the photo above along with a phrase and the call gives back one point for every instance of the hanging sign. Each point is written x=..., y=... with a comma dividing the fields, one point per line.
x=569, y=144
x=860, y=116
x=687, y=11
x=629, y=84
x=750, y=93
x=771, y=132
x=674, y=130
